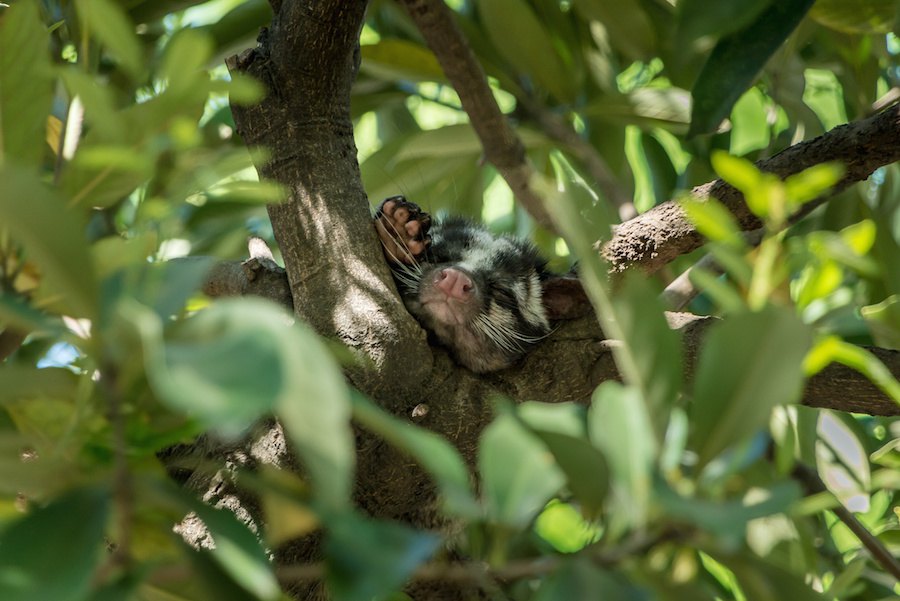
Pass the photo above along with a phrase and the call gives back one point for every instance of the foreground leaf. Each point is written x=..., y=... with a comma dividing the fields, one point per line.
x=518, y=475
x=749, y=364
x=369, y=559
x=51, y=553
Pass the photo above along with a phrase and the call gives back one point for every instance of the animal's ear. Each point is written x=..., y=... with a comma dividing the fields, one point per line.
x=564, y=298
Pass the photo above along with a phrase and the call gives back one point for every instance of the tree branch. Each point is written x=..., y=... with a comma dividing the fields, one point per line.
x=502, y=146
x=663, y=233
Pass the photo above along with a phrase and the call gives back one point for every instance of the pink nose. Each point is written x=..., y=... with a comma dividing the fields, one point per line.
x=454, y=283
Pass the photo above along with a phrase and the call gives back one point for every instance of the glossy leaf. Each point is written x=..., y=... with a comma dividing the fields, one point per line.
x=442, y=462
x=53, y=237
x=518, y=475
x=749, y=363
x=32, y=548
x=25, y=85
x=369, y=559
x=737, y=59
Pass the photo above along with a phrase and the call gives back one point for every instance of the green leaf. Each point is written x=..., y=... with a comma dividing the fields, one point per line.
x=737, y=59
x=564, y=527
x=884, y=321
x=530, y=50
x=856, y=16
x=241, y=359
x=654, y=364
x=184, y=59
x=763, y=580
x=648, y=107
x=439, y=458
x=727, y=519
x=562, y=427
x=25, y=382
x=580, y=580
x=395, y=59
x=108, y=23
x=622, y=428
x=518, y=475
x=749, y=364
x=697, y=18
x=369, y=559
x=714, y=221
x=237, y=551
x=14, y=312
x=53, y=237
x=813, y=182
x=51, y=553
x=25, y=85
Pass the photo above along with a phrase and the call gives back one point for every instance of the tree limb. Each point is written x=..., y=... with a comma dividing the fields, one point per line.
x=663, y=233
x=502, y=146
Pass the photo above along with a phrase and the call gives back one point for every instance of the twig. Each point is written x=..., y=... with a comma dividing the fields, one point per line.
x=813, y=484
x=655, y=238
x=502, y=147
x=557, y=128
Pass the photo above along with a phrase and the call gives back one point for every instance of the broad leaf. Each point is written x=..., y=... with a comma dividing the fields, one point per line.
x=242, y=359
x=53, y=237
x=51, y=552
x=737, y=59
x=621, y=427
x=369, y=559
x=749, y=363
x=518, y=475
x=108, y=23
x=25, y=86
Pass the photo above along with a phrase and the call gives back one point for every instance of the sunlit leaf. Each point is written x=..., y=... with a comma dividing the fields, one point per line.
x=832, y=349
x=884, y=320
x=393, y=59
x=714, y=221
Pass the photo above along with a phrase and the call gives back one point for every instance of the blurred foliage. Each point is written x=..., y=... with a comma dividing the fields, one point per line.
x=118, y=152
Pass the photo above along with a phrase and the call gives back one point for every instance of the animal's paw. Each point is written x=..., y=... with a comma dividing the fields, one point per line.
x=403, y=229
